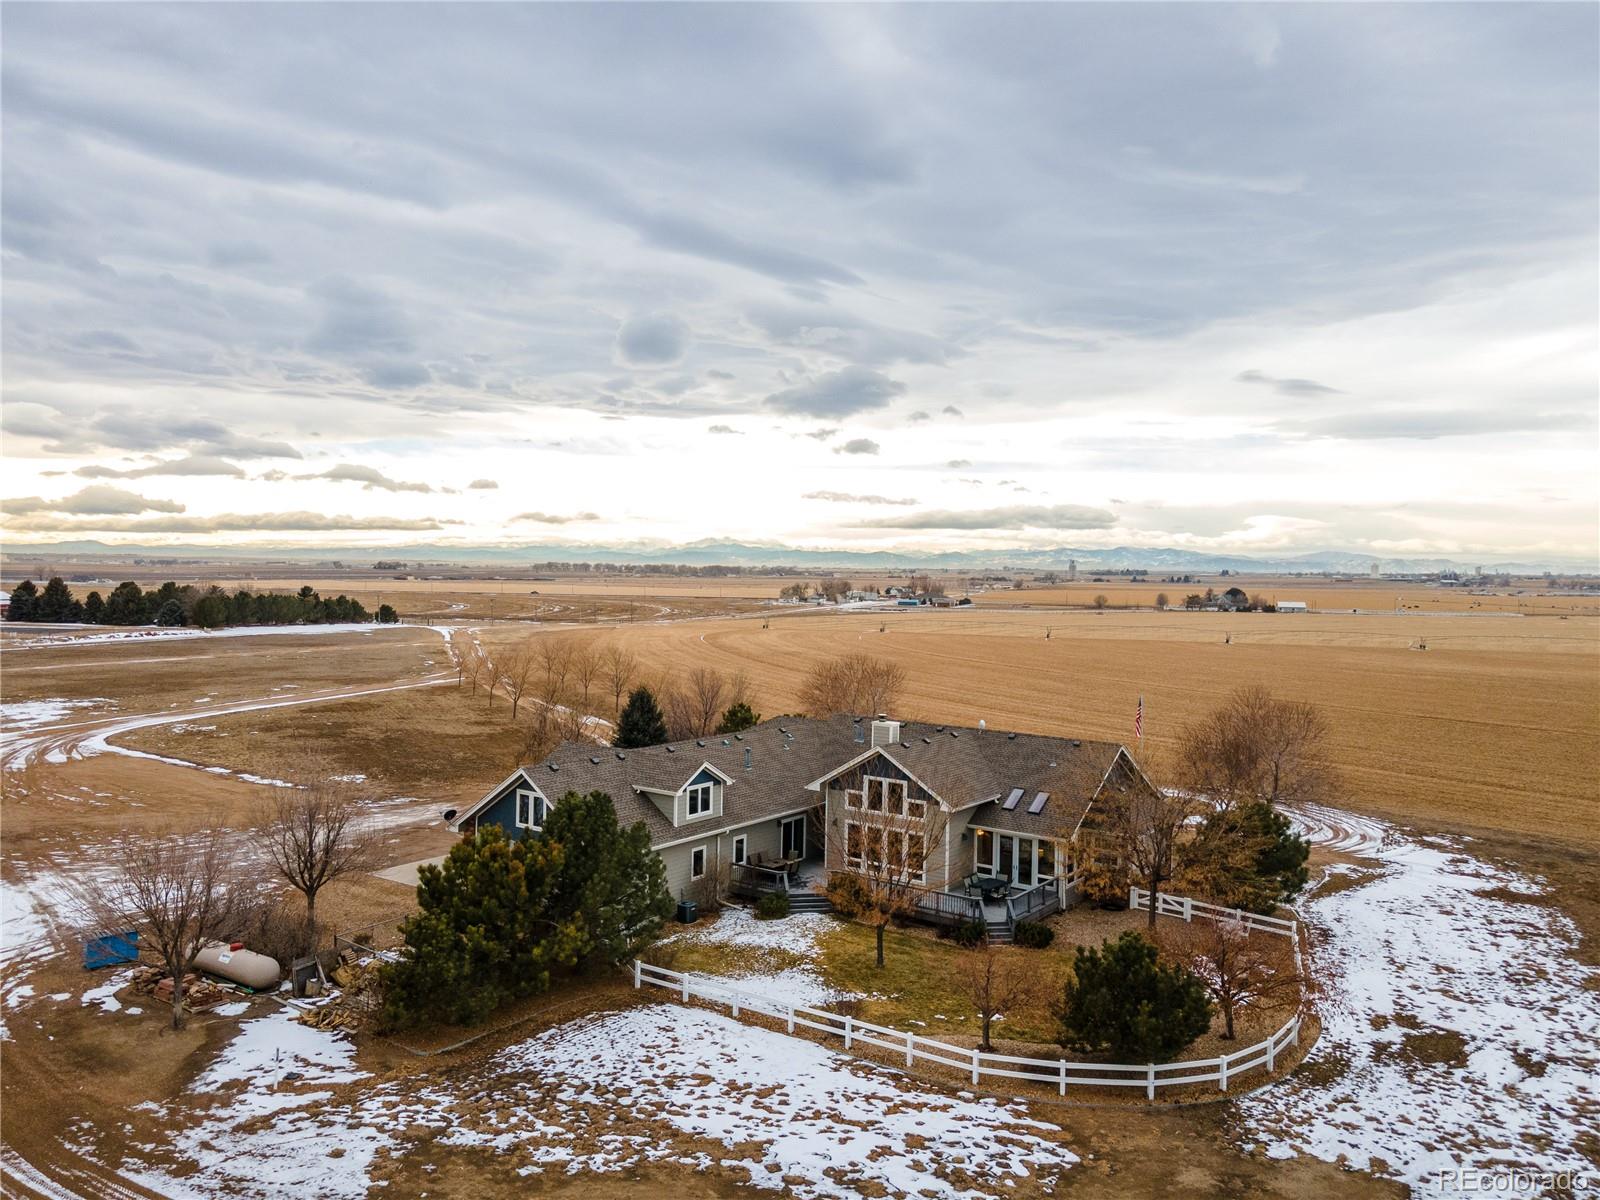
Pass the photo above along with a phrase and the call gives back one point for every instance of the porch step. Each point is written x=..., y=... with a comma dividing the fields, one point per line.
x=809, y=902
x=998, y=933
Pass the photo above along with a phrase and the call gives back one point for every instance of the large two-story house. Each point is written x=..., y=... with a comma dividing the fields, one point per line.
x=997, y=817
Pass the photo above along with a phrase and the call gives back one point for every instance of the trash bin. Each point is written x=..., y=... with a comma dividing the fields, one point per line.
x=688, y=910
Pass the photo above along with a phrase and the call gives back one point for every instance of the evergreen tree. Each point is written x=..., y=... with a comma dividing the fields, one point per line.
x=24, y=602
x=484, y=933
x=211, y=610
x=611, y=882
x=170, y=613
x=55, y=602
x=1246, y=856
x=387, y=615
x=94, y=609
x=738, y=718
x=1121, y=999
x=641, y=722
x=125, y=605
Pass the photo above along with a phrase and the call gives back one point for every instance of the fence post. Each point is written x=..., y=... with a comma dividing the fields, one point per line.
x=1272, y=1051
x=1133, y=897
x=908, y=1047
x=1150, y=1082
x=1222, y=1074
x=733, y=1001
x=1188, y=908
x=684, y=980
x=974, y=1066
x=636, y=980
x=1063, y=1077
x=847, y=1027
x=791, y=1018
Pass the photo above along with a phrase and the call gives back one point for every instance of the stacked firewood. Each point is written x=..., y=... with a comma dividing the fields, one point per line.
x=359, y=996
x=198, y=992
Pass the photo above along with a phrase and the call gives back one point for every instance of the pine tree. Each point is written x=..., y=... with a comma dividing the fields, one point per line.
x=641, y=722
x=170, y=613
x=610, y=880
x=125, y=605
x=738, y=718
x=1246, y=856
x=1121, y=999
x=484, y=933
x=94, y=609
x=24, y=602
x=55, y=602
x=387, y=615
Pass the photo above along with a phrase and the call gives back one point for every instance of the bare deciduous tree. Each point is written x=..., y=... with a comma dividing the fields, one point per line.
x=586, y=669
x=852, y=683
x=620, y=669
x=555, y=664
x=1256, y=747
x=516, y=673
x=1237, y=969
x=314, y=837
x=704, y=693
x=997, y=982
x=547, y=728
x=889, y=852
x=180, y=892
x=1143, y=824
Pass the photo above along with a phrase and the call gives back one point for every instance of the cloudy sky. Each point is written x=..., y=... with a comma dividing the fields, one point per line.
x=1249, y=278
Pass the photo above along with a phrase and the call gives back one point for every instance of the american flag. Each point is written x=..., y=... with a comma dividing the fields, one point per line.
x=1138, y=720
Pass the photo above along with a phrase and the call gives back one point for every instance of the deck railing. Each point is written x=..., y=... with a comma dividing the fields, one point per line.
x=749, y=878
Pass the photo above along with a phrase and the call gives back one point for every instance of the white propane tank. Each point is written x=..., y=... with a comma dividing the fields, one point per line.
x=253, y=970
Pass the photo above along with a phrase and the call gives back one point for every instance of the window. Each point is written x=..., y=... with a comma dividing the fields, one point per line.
x=530, y=809
x=699, y=797
x=984, y=859
x=1047, y=860
x=852, y=798
x=697, y=863
x=738, y=849
x=889, y=795
x=900, y=855
x=852, y=844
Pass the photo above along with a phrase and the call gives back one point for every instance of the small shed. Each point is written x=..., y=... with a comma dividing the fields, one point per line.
x=1292, y=606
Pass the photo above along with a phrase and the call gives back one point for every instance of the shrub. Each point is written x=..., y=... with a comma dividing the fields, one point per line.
x=848, y=894
x=968, y=933
x=1122, y=999
x=773, y=906
x=1104, y=883
x=1032, y=935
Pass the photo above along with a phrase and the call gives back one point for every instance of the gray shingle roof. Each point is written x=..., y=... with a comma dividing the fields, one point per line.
x=962, y=766
x=786, y=753
x=965, y=766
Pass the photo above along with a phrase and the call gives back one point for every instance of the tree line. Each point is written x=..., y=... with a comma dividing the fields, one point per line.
x=173, y=604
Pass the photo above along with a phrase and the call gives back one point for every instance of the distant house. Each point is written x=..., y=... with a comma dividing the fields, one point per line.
x=777, y=807
x=5, y=604
x=1233, y=600
x=941, y=602
x=1292, y=606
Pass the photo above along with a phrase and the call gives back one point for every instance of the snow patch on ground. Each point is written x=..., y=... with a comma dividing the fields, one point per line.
x=1458, y=1029
x=795, y=935
x=268, y=1048
x=609, y=1093
x=105, y=994
x=30, y=714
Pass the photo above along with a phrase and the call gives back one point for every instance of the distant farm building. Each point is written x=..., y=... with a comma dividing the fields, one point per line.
x=1233, y=600
x=1292, y=606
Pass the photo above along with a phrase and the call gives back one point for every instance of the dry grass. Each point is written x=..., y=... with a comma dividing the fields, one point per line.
x=1496, y=725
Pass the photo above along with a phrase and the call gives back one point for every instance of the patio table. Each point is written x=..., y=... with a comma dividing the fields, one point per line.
x=991, y=885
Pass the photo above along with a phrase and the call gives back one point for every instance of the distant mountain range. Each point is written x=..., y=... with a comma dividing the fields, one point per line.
x=710, y=552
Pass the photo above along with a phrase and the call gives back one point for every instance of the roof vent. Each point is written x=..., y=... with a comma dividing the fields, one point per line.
x=738, y=737
x=595, y=759
x=557, y=766
x=727, y=742
x=1076, y=743
x=699, y=742
x=927, y=741
x=885, y=731
x=953, y=733
x=861, y=732
x=749, y=760
x=672, y=749
x=1011, y=737
x=939, y=729
x=905, y=745
x=621, y=756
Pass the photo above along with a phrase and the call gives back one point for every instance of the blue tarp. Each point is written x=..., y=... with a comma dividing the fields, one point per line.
x=110, y=950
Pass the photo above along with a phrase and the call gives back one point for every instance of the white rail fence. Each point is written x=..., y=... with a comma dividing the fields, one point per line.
x=981, y=1065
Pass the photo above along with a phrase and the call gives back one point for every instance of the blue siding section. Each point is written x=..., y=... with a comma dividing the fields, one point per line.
x=502, y=810
x=705, y=776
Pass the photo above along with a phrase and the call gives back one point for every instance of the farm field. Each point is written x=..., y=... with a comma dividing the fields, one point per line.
x=1492, y=730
